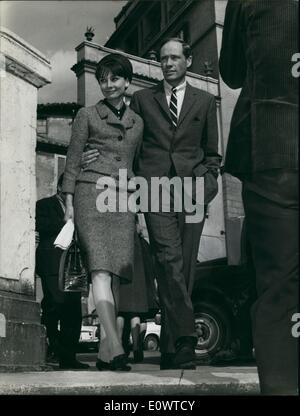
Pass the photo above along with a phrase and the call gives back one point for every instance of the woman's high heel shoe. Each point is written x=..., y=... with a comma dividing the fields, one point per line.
x=119, y=363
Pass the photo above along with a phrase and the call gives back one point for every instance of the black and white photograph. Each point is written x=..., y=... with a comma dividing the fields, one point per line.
x=149, y=224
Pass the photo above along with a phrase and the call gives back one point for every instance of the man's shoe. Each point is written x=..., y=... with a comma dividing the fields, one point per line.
x=224, y=357
x=120, y=363
x=229, y=356
x=102, y=365
x=167, y=361
x=52, y=359
x=185, y=357
x=73, y=365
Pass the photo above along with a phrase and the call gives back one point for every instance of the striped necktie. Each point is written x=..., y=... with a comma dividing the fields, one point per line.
x=173, y=107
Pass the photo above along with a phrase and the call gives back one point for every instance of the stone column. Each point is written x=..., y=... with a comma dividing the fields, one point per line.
x=22, y=71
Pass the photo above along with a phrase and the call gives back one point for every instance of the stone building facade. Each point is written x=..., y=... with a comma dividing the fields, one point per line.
x=141, y=26
x=54, y=125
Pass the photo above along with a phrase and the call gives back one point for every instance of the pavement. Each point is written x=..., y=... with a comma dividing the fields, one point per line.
x=144, y=379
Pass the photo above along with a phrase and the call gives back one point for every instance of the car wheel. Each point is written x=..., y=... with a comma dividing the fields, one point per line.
x=213, y=327
x=151, y=343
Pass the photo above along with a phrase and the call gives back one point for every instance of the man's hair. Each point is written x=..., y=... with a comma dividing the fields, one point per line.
x=186, y=49
x=60, y=180
x=116, y=63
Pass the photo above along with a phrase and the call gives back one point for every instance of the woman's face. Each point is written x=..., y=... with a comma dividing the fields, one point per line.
x=112, y=86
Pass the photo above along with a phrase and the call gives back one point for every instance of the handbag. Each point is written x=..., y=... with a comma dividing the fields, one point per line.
x=73, y=273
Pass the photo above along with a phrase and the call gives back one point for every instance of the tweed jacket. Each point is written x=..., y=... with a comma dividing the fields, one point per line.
x=259, y=39
x=116, y=140
x=192, y=148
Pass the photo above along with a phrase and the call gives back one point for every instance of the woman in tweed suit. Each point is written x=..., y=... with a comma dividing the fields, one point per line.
x=107, y=237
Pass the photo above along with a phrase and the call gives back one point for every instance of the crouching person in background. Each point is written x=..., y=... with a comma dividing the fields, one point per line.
x=57, y=306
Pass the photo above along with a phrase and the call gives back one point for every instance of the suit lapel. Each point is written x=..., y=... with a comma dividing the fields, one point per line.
x=188, y=102
x=128, y=118
x=160, y=97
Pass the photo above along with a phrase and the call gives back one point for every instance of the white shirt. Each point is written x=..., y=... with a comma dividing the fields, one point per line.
x=180, y=91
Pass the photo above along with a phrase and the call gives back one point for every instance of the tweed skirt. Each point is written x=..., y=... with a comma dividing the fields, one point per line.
x=107, y=238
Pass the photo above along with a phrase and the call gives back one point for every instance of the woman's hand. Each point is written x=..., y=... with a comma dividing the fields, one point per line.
x=69, y=214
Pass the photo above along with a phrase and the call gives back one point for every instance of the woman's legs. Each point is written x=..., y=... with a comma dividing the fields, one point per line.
x=143, y=329
x=115, y=287
x=138, y=354
x=120, y=325
x=104, y=352
x=135, y=332
x=106, y=309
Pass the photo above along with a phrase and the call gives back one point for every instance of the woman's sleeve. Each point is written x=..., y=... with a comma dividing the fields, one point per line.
x=78, y=140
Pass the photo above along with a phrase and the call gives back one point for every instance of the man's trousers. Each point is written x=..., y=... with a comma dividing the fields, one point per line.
x=271, y=208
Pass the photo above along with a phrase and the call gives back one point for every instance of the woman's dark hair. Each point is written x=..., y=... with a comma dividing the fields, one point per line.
x=116, y=63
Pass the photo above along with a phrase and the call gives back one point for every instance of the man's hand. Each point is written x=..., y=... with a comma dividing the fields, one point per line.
x=88, y=157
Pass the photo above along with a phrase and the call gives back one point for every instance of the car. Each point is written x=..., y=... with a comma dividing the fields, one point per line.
x=90, y=333
x=222, y=297
x=152, y=336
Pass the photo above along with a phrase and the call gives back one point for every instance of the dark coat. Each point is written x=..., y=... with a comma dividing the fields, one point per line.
x=49, y=222
x=192, y=148
x=139, y=298
x=259, y=39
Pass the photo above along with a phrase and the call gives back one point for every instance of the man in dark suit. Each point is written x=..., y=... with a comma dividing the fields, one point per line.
x=56, y=305
x=180, y=139
x=259, y=40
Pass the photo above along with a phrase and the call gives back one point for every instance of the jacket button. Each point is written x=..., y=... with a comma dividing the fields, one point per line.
x=118, y=158
x=120, y=138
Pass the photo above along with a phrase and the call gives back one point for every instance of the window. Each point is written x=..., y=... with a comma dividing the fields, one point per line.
x=41, y=126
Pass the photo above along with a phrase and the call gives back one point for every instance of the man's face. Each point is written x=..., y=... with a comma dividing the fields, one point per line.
x=173, y=62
